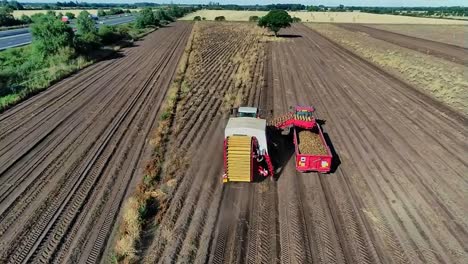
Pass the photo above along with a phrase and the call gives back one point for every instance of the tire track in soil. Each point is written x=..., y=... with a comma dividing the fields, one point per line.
x=111, y=141
x=188, y=233
x=180, y=218
x=382, y=184
x=246, y=229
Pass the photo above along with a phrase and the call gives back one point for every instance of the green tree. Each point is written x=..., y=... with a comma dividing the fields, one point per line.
x=175, y=11
x=313, y=8
x=275, y=20
x=50, y=35
x=6, y=17
x=101, y=12
x=197, y=18
x=85, y=24
x=15, y=5
x=146, y=18
x=88, y=35
x=220, y=18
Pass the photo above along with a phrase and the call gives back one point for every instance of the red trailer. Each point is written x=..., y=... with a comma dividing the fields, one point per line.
x=318, y=156
x=315, y=161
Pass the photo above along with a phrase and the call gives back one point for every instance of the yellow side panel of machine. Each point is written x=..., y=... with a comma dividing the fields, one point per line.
x=239, y=158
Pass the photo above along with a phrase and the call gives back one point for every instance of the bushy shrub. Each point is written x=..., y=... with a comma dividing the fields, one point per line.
x=253, y=18
x=146, y=18
x=115, y=11
x=220, y=18
x=85, y=24
x=296, y=20
x=197, y=18
x=163, y=17
x=112, y=34
x=70, y=15
x=50, y=34
x=25, y=19
x=87, y=37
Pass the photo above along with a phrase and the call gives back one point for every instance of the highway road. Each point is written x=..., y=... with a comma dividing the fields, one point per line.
x=19, y=37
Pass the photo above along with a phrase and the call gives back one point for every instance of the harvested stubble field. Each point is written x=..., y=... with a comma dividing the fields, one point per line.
x=450, y=34
x=69, y=155
x=327, y=17
x=435, y=68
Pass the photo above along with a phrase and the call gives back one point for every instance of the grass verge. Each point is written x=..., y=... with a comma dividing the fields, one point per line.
x=23, y=75
x=150, y=192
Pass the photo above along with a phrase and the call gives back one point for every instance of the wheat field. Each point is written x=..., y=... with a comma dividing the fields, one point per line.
x=328, y=17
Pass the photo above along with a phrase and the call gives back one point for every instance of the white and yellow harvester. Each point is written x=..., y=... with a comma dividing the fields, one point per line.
x=245, y=147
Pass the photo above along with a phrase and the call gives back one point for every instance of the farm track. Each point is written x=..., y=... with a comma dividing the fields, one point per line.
x=69, y=154
x=442, y=50
x=397, y=196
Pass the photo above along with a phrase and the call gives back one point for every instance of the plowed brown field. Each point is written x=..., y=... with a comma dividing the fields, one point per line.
x=68, y=155
x=396, y=195
x=225, y=68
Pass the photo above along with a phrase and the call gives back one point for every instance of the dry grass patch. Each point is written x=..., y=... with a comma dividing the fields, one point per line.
x=439, y=78
x=130, y=230
x=151, y=192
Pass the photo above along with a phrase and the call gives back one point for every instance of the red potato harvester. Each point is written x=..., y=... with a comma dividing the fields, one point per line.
x=246, y=150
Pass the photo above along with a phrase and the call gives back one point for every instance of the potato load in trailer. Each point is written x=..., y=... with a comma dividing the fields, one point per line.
x=246, y=144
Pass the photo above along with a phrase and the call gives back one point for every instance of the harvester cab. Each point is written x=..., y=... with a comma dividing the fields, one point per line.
x=245, y=111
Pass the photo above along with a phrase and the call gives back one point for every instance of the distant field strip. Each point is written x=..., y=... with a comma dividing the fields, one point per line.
x=328, y=17
x=450, y=34
x=438, y=77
